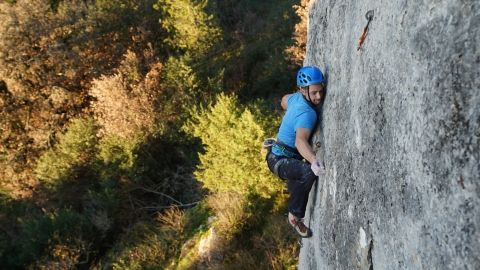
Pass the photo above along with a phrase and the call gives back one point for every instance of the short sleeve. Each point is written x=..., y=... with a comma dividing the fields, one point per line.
x=306, y=120
x=290, y=99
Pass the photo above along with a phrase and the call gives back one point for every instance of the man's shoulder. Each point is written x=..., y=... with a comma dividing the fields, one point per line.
x=296, y=100
x=301, y=106
x=295, y=96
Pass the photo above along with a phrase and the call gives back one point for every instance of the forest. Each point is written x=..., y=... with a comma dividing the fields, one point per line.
x=131, y=133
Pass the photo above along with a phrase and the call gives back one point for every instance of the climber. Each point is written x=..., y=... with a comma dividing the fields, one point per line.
x=291, y=157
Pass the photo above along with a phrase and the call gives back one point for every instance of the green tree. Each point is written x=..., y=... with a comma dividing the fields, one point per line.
x=232, y=138
x=75, y=148
x=180, y=84
x=189, y=27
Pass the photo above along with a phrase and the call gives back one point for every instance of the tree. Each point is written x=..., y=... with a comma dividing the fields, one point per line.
x=232, y=138
x=50, y=52
x=190, y=29
x=75, y=148
x=296, y=52
x=125, y=102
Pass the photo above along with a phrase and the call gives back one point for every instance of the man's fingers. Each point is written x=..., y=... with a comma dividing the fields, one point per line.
x=318, y=168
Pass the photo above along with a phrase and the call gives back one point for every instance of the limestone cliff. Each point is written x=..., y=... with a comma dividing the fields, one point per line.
x=399, y=135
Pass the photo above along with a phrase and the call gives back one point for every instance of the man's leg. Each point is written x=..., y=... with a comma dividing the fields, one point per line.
x=300, y=180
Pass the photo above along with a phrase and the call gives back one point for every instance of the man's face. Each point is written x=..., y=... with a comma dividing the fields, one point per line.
x=316, y=92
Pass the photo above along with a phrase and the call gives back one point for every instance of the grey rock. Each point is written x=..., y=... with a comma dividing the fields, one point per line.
x=399, y=135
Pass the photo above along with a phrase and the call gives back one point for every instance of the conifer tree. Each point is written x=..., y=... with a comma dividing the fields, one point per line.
x=190, y=29
x=75, y=147
x=232, y=160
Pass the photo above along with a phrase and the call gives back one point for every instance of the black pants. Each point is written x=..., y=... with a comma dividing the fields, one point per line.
x=299, y=177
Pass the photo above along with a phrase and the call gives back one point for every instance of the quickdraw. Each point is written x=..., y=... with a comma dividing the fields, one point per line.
x=369, y=17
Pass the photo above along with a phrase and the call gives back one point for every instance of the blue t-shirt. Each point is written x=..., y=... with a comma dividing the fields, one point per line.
x=300, y=114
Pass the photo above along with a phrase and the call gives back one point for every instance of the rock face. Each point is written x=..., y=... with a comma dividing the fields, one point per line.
x=399, y=134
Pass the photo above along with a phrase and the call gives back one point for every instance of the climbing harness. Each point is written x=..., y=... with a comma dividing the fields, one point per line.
x=267, y=143
x=282, y=150
x=286, y=150
x=277, y=165
x=267, y=147
x=369, y=17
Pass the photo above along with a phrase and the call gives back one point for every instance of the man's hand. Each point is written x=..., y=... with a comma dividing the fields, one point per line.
x=318, y=168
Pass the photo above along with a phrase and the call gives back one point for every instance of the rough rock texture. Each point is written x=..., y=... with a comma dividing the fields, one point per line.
x=399, y=135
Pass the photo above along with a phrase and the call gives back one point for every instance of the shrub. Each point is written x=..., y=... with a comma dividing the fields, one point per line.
x=103, y=210
x=116, y=154
x=278, y=243
x=230, y=214
x=75, y=148
x=232, y=139
x=57, y=238
x=151, y=245
x=124, y=105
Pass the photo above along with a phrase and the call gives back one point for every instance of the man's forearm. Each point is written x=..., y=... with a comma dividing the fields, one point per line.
x=305, y=150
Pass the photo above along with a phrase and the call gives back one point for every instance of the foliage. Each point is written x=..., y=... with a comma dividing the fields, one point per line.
x=296, y=52
x=143, y=246
x=265, y=116
x=156, y=244
x=49, y=47
x=230, y=214
x=137, y=69
x=246, y=233
x=252, y=53
x=189, y=28
x=232, y=161
x=181, y=85
x=75, y=148
x=69, y=47
x=128, y=174
x=125, y=103
x=128, y=179
x=64, y=233
x=59, y=238
x=116, y=153
x=265, y=241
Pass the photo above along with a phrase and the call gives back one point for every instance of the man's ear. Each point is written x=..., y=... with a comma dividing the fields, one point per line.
x=303, y=90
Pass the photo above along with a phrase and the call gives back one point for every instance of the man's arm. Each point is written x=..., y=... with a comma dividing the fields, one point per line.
x=285, y=101
x=303, y=147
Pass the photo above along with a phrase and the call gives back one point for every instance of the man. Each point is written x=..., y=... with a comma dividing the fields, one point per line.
x=291, y=156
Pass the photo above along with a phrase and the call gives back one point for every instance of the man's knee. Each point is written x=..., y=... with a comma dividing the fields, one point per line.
x=308, y=176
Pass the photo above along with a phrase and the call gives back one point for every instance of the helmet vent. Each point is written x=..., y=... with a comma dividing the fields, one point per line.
x=309, y=75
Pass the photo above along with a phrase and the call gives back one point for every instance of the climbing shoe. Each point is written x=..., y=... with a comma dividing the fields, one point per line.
x=298, y=226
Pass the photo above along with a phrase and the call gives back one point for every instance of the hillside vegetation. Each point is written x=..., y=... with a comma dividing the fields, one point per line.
x=130, y=133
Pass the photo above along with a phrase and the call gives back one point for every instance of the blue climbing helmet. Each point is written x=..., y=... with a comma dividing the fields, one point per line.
x=309, y=75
